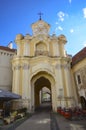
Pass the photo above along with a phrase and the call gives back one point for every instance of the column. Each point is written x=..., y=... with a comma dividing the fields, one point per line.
x=25, y=80
x=26, y=49
x=59, y=85
x=56, y=49
x=26, y=93
x=54, y=97
x=68, y=82
x=62, y=50
x=16, y=79
x=18, y=49
x=59, y=76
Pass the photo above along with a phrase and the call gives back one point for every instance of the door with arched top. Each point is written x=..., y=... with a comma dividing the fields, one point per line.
x=83, y=102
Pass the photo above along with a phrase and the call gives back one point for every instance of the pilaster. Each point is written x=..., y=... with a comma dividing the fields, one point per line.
x=25, y=81
x=16, y=79
x=68, y=82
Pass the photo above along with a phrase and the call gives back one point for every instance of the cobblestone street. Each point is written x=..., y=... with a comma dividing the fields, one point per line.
x=44, y=119
x=39, y=121
x=65, y=124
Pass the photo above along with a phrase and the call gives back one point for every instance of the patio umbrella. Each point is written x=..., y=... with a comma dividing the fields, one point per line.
x=4, y=94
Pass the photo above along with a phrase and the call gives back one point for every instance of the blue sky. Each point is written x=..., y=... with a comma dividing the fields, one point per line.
x=66, y=17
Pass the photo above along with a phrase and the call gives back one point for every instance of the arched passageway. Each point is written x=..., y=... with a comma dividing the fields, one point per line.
x=83, y=102
x=43, y=91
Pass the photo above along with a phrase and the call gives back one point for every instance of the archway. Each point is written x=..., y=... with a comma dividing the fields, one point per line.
x=38, y=82
x=83, y=102
x=45, y=94
x=39, y=85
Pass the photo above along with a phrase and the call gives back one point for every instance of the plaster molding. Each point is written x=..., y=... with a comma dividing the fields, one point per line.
x=17, y=67
x=25, y=66
x=59, y=66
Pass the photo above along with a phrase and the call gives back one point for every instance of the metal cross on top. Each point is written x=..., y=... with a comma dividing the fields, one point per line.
x=40, y=15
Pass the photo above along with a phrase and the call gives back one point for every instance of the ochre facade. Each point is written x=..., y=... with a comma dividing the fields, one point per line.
x=79, y=74
x=41, y=61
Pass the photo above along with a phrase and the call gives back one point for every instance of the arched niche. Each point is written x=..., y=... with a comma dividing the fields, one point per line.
x=41, y=48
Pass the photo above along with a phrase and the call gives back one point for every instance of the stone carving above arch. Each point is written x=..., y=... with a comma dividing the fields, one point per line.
x=41, y=49
x=44, y=68
x=43, y=72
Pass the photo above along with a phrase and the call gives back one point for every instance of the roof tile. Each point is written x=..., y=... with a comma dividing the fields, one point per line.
x=79, y=56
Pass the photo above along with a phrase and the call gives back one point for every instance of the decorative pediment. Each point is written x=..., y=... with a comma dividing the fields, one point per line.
x=40, y=27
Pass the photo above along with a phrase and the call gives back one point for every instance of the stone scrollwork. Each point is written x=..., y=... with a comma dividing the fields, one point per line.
x=58, y=66
x=17, y=67
x=66, y=67
x=40, y=38
x=45, y=53
x=25, y=66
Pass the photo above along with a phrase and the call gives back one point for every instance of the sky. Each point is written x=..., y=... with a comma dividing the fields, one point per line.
x=67, y=17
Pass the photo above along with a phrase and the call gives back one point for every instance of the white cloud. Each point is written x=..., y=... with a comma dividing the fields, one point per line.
x=59, y=28
x=61, y=15
x=84, y=43
x=71, y=30
x=56, y=23
x=70, y=1
x=84, y=12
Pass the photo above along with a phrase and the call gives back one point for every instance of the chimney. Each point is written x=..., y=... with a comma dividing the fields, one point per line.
x=10, y=45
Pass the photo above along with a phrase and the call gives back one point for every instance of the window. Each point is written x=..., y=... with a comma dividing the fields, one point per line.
x=78, y=79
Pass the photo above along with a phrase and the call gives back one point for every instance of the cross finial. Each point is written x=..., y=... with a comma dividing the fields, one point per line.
x=40, y=14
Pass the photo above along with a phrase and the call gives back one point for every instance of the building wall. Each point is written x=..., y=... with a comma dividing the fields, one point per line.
x=42, y=55
x=79, y=74
x=6, y=69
